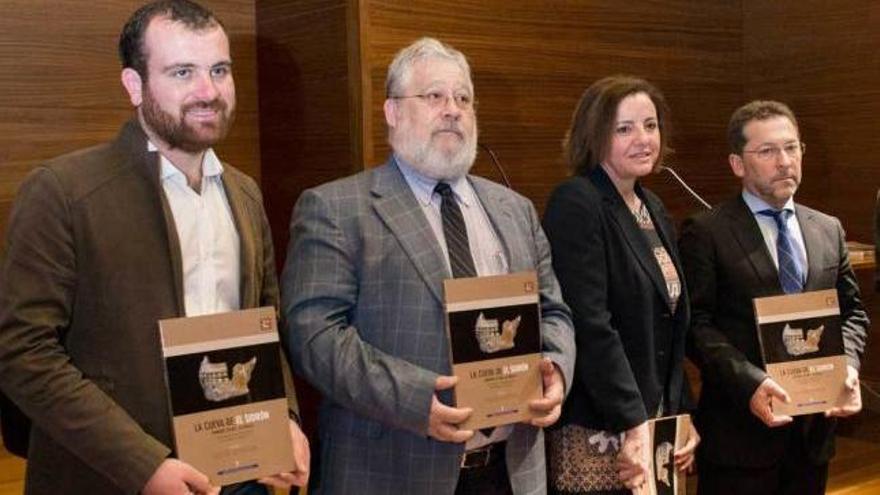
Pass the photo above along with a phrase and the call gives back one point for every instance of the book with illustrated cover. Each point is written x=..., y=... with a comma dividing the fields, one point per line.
x=494, y=327
x=226, y=393
x=668, y=435
x=802, y=346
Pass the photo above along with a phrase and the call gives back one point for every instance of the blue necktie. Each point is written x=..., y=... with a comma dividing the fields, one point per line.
x=791, y=277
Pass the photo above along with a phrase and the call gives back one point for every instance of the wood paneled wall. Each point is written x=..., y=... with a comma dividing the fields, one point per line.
x=60, y=89
x=306, y=111
x=531, y=60
x=823, y=59
x=323, y=65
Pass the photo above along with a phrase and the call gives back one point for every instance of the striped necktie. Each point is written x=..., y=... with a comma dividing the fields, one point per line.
x=791, y=277
x=454, y=230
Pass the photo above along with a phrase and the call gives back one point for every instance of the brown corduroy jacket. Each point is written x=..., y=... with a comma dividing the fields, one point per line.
x=91, y=262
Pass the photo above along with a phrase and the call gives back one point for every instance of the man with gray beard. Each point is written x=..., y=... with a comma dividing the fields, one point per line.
x=362, y=294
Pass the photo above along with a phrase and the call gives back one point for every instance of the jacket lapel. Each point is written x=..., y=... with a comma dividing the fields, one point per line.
x=397, y=207
x=812, y=245
x=248, y=292
x=503, y=220
x=747, y=233
x=623, y=220
x=132, y=144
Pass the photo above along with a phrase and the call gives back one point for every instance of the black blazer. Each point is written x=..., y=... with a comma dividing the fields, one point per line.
x=630, y=346
x=727, y=264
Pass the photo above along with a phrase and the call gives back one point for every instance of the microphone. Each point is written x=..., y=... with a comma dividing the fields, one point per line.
x=497, y=164
x=686, y=187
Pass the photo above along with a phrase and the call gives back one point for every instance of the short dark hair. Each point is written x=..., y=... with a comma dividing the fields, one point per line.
x=131, y=41
x=589, y=136
x=754, y=110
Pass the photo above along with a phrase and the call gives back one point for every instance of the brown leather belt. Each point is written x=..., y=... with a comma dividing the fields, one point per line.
x=483, y=456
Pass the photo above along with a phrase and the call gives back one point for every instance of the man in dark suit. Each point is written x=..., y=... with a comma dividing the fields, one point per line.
x=363, y=297
x=761, y=244
x=104, y=242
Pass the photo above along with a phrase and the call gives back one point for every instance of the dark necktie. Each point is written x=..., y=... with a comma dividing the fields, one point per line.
x=454, y=230
x=790, y=275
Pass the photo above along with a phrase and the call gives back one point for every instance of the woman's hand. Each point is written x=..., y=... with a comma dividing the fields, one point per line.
x=633, y=458
x=684, y=457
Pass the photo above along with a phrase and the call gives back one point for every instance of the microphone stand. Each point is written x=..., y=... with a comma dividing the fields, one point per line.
x=687, y=187
x=497, y=164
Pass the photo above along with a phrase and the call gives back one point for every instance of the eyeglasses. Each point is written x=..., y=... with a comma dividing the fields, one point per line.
x=769, y=152
x=439, y=99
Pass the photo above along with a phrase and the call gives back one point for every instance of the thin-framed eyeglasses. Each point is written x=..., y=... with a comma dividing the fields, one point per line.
x=439, y=99
x=794, y=149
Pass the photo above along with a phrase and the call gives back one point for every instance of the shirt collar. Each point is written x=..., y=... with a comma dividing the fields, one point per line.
x=211, y=165
x=423, y=186
x=757, y=204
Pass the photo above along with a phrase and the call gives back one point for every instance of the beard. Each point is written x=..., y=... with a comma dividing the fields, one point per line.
x=435, y=163
x=179, y=134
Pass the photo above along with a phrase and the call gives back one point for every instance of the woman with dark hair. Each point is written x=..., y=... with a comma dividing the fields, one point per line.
x=615, y=255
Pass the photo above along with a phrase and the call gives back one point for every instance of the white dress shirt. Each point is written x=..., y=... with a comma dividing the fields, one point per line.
x=209, y=241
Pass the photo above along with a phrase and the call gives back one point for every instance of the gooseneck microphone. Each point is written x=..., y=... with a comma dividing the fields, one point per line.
x=497, y=164
x=687, y=187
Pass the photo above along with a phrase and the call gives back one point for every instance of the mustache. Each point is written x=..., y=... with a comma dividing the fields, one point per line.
x=450, y=128
x=216, y=105
x=786, y=176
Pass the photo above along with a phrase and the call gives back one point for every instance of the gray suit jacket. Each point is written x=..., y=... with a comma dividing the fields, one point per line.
x=91, y=263
x=726, y=264
x=362, y=293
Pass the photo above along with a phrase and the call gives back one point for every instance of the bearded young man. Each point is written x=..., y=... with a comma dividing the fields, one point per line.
x=362, y=293
x=104, y=242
